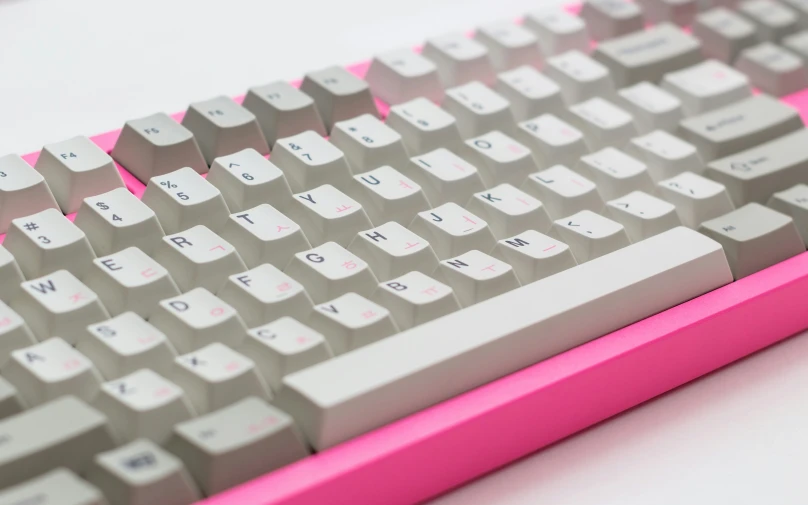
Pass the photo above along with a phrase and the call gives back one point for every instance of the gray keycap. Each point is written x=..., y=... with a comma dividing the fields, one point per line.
x=793, y=202
x=459, y=60
x=798, y=44
x=773, y=19
x=282, y=111
x=339, y=95
x=801, y=8
x=10, y=402
x=59, y=487
x=23, y=191
x=774, y=70
x=724, y=33
x=607, y=19
x=10, y=276
x=680, y=12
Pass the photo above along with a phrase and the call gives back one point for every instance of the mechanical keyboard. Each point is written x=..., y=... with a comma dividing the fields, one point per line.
x=382, y=281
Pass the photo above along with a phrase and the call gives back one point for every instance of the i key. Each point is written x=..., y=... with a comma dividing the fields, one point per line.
x=326, y=214
x=652, y=107
x=308, y=160
x=459, y=60
x=368, y=143
x=534, y=255
x=615, y=173
x=603, y=123
x=664, y=154
x=558, y=31
x=351, y=321
x=476, y=276
x=579, y=76
x=329, y=271
x=509, y=210
x=563, y=191
x=643, y=215
x=478, y=109
x=247, y=179
x=10, y=276
x=416, y=298
x=388, y=195
x=452, y=230
x=552, y=141
x=264, y=235
x=590, y=235
x=401, y=75
x=707, y=86
x=509, y=45
x=392, y=250
x=339, y=95
x=424, y=126
x=282, y=110
x=500, y=158
x=222, y=127
x=696, y=198
x=14, y=333
x=23, y=191
x=445, y=177
x=529, y=92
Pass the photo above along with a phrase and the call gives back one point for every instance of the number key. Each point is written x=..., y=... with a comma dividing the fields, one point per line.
x=23, y=190
x=247, y=179
x=368, y=143
x=308, y=160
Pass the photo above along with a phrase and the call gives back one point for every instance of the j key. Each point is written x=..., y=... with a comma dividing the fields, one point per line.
x=351, y=321
x=156, y=145
x=424, y=126
x=793, y=202
x=445, y=177
x=125, y=344
x=14, y=333
x=478, y=109
x=329, y=271
x=451, y=230
x=509, y=210
x=665, y=155
x=264, y=235
x=75, y=169
x=284, y=346
x=23, y=191
x=500, y=158
x=247, y=179
x=603, y=123
x=772, y=19
x=198, y=258
x=388, y=195
x=643, y=215
x=116, y=220
x=563, y=191
x=558, y=31
x=338, y=94
x=265, y=294
x=415, y=298
x=774, y=70
x=368, y=143
x=615, y=173
x=183, y=199
x=222, y=127
x=707, y=86
x=143, y=404
x=58, y=487
x=459, y=60
x=326, y=214
x=739, y=126
x=696, y=199
x=260, y=437
x=590, y=235
x=798, y=43
x=308, y=160
x=509, y=45
x=391, y=250
x=475, y=276
x=282, y=110
x=142, y=473
x=402, y=75
x=724, y=33
x=680, y=12
x=579, y=76
x=198, y=318
x=552, y=141
x=534, y=255
x=648, y=55
x=652, y=107
x=608, y=19
x=529, y=92
x=10, y=276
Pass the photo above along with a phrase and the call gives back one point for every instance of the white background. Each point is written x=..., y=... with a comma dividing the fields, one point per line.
x=70, y=67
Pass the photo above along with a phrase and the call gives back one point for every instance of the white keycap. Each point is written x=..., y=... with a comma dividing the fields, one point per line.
x=142, y=473
x=265, y=294
x=452, y=230
x=23, y=191
x=445, y=177
x=116, y=220
x=552, y=141
x=10, y=401
x=156, y=145
x=401, y=75
x=326, y=214
x=424, y=126
x=198, y=258
x=529, y=92
x=415, y=298
x=534, y=255
x=50, y=369
x=475, y=276
x=10, y=276
x=14, y=333
x=607, y=19
x=351, y=321
x=58, y=487
x=308, y=160
x=793, y=202
x=143, y=404
x=772, y=69
x=603, y=123
x=391, y=250
x=615, y=173
x=264, y=235
x=642, y=215
x=125, y=344
x=338, y=94
x=58, y=304
x=182, y=199
x=563, y=191
x=665, y=155
x=478, y=109
x=386, y=194
x=509, y=45
x=47, y=241
x=459, y=60
x=798, y=43
x=801, y=8
x=76, y=169
x=329, y=271
x=558, y=31
x=707, y=86
x=500, y=158
x=724, y=33
x=282, y=110
x=222, y=127
x=696, y=199
x=368, y=143
x=579, y=76
x=198, y=318
x=284, y=346
x=652, y=107
x=509, y=211
x=590, y=235
x=772, y=19
x=247, y=179
x=680, y=12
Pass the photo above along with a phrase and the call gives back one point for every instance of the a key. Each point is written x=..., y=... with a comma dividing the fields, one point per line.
x=308, y=161
x=198, y=258
x=14, y=333
x=10, y=276
x=284, y=346
x=116, y=220
x=642, y=215
x=351, y=321
x=706, y=86
x=696, y=198
x=651, y=107
x=424, y=126
x=23, y=191
x=615, y=173
x=402, y=75
x=797, y=43
x=590, y=235
x=198, y=318
x=415, y=298
x=264, y=294
x=10, y=401
x=143, y=405
x=338, y=94
x=664, y=154
x=509, y=45
x=552, y=141
x=793, y=202
x=222, y=127
x=329, y=271
x=649, y=54
x=500, y=158
x=182, y=199
x=47, y=241
x=607, y=19
x=459, y=60
x=452, y=230
x=579, y=76
x=475, y=276
x=326, y=214
x=388, y=195
x=478, y=109
x=603, y=123
x=124, y=344
x=76, y=169
x=772, y=69
x=772, y=19
x=368, y=143
x=680, y=12
x=142, y=473
x=156, y=145
x=264, y=235
x=558, y=31
x=391, y=250
x=57, y=487
x=724, y=33
x=282, y=111
x=445, y=177
x=247, y=179
x=509, y=211
x=529, y=92
x=563, y=191
x=534, y=255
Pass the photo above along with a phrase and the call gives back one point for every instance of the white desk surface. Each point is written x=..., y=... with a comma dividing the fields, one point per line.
x=71, y=67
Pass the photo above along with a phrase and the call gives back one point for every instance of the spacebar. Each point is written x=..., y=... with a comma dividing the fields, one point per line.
x=392, y=378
